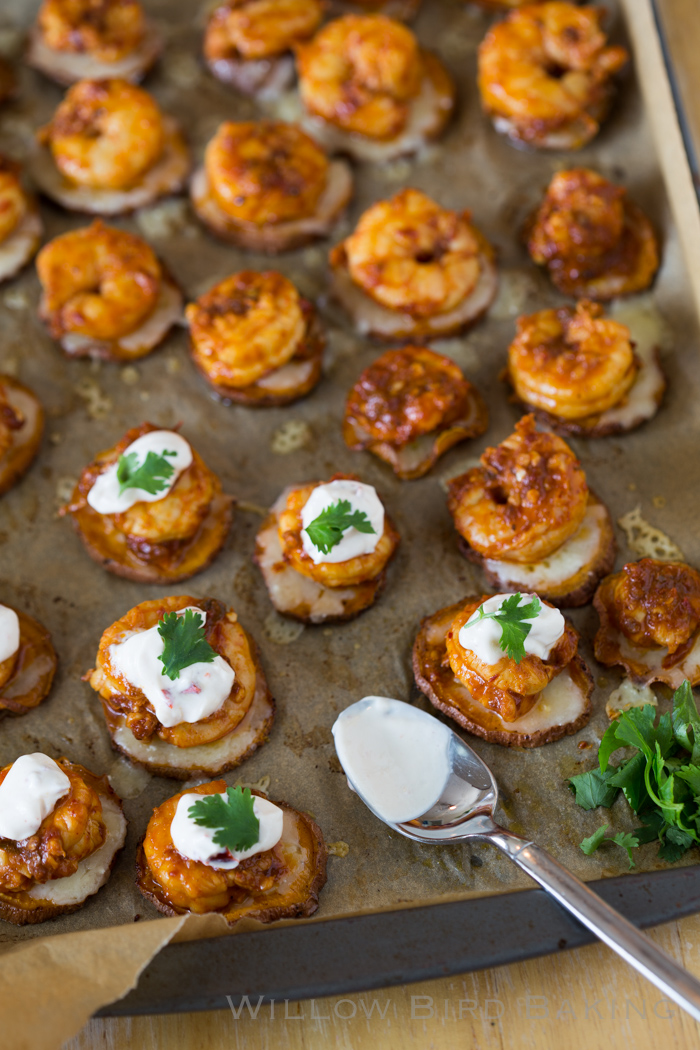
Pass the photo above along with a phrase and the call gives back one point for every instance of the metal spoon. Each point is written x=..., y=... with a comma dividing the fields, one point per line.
x=465, y=811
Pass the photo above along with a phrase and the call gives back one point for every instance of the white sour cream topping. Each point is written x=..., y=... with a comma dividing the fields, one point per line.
x=9, y=633
x=199, y=691
x=394, y=755
x=29, y=792
x=197, y=843
x=484, y=636
x=363, y=498
x=104, y=495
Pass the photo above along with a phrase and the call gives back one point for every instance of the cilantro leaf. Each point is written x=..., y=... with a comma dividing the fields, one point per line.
x=326, y=531
x=151, y=476
x=691, y=775
x=510, y=616
x=628, y=841
x=593, y=789
x=629, y=776
x=686, y=721
x=233, y=817
x=675, y=844
x=184, y=643
x=590, y=845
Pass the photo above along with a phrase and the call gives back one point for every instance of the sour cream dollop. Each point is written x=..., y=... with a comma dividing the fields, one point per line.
x=9, y=633
x=362, y=498
x=197, y=843
x=29, y=792
x=484, y=636
x=199, y=691
x=394, y=755
x=104, y=495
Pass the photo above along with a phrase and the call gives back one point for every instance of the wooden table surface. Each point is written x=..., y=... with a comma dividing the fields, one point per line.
x=586, y=998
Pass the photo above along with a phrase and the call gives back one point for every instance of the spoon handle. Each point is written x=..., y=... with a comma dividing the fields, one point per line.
x=611, y=927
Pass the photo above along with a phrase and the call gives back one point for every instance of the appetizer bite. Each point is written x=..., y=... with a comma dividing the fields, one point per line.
x=28, y=662
x=255, y=340
x=21, y=228
x=227, y=850
x=21, y=427
x=370, y=90
x=650, y=622
x=412, y=269
x=268, y=186
x=409, y=407
x=527, y=517
x=505, y=667
x=182, y=688
x=109, y=150
x=150, y=509
x=545, y=75
x=324, y=548
x=75, y=39
x=249, y=43
x=105, y=294
x=595, y=243
x=582, y=373
x=61, y=828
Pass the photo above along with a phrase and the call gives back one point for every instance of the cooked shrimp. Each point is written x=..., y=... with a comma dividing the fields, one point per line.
x=653, y=603
x=410, y=254
x=594, y=241
x=547, y=67
x=265, y=171
x=105, y=134
x=360, y=72
x=254, y=29
x=509, y=688
x=176, y=516
x=74, y=830
x=97, y=281
x=572, y=363
x=246, y=326
x=13, y=199
x=106, y=29
x=525, y=501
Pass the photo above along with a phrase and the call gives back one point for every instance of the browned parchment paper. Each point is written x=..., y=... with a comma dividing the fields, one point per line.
x=316, y=672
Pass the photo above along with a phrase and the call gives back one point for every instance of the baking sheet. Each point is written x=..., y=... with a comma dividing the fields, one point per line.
x=316, y=672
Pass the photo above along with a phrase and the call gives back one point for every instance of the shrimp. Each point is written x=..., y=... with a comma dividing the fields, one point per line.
x=653, y=603
x=98, y=281
x=509, y=688
x=246, y=326
x=594, y=242
x=106, y=134
x=410, y=254
x=266, y=171
x=572, y=363
x=528, y=497
x=72, y=831
x=178, y=515
x=546, y=67
x=105, y=29
x=255, y=29
x=360, y=73
x=13, y=199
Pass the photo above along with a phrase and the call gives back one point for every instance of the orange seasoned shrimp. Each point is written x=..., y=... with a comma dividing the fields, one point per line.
x=265, y=171
x=254, y=29
x=106, y=29
x=653, y=603
x=572, y=363
x=105, y=134
x=410, y=254
x=13, y=199
x=546, y=67
x=360, y=72
x=528, y=497
x=97, y=281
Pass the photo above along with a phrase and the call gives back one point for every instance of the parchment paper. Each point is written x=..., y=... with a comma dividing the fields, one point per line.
x=316, y=672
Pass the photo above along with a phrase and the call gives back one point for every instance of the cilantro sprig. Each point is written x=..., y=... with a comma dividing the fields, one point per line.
x=184, y=642
x=326, y=531
x=511, y=617
x=233, y=817
x=660, y=778
x=152, y=476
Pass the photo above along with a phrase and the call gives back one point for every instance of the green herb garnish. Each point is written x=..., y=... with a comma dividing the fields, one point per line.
x=184, y=642
x=510, y=616
x=151, y=476
x=660, y=779
x=326, y=531
x=237, y=827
